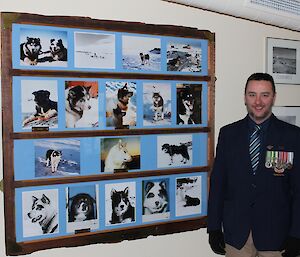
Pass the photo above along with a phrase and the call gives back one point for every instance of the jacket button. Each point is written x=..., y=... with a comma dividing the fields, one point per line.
x=253, y=185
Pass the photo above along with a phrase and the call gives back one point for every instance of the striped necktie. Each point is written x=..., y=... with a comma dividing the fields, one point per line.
x=254, y=148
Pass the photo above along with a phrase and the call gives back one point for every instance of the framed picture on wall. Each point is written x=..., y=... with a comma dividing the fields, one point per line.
x=283, y=60
x=290, y=114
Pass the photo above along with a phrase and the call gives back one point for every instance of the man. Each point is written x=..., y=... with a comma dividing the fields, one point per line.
x=254, y=200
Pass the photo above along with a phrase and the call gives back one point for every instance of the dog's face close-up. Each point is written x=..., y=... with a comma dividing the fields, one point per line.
x=56, y=45
x=120, y=201
x=165, y=148
x=41, y=97
x=157, y=99
x=79, y=98
x=33, y=45
x=82, y=207
x=124, y=94
x=156, y=197
x=40, y=209
x=187, y=98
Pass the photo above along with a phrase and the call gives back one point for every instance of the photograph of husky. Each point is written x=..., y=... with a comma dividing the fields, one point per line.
x=82, y=207
x=120, y=154
x=155, y=199
x=141, y=53
x=39, y=100
x=81, y=104
x=57, y=157
x=120, y=104
x=40, y=47
x=188, y=104
x=188, y=195
x=157, y=104
x=120, y=203
x=94, y=50
x=184, y=57
x=40, y=212
x=174, y=150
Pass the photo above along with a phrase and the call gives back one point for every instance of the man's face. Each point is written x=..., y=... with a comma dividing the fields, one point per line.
x=259, y=99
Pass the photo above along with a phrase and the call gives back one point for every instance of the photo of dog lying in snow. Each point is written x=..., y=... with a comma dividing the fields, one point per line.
x=188, y=104
x=188, y=195
x=39, y=103
x=120, y=203
x=40, y=212
x=120, y=154
x=120, y=104
x=81, y=104
x=155, y=199
x=174, y=150
x=43, y=48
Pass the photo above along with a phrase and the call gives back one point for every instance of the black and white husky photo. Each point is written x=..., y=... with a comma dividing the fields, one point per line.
x=188, y=104
x=157, y=104
x=155, y=199
x=39, y=103
x=40, y=212
x=141, y=53
x=174, y=150
x=82, y=207
x=120, y=104
x=120, y=203
x=81, y=104
x=43, y=48
x=188, y=195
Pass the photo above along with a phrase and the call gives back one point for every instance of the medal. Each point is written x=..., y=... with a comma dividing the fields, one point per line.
x=268, y=162
x=279, y=161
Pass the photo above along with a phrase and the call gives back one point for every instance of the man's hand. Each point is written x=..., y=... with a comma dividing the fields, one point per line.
x=291, y=247
x=216, y=241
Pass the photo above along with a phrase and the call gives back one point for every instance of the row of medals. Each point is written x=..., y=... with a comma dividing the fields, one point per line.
x=279, y=161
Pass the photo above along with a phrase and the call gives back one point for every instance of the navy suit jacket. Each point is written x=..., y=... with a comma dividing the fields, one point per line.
x=240, y=202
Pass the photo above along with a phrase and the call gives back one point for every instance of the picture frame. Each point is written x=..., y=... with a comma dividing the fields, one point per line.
x=290, y=114
x=66, y=165
x=283, y=60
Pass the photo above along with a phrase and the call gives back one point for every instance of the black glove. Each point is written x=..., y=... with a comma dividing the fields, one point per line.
x=216, y=241
x=291, y=247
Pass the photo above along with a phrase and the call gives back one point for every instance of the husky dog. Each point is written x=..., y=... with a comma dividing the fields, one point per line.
x=158, y=106
x=122, y=108
x=181, y=149
x=185, y=106
x=44, y=107
x=57, y=50
x=30, y=50
x=145, y=58
x=155, y=197
x=44, y=214
x=183, y=187
x=53, y=157
x=82, y=208
x=77, y=101
x=122, y=210
x=117, y=157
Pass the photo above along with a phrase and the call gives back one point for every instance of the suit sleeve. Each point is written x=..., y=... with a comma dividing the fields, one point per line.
x=295, y=191
x=217, y=186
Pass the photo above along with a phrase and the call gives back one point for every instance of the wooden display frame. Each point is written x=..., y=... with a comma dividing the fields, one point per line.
x=16, y=139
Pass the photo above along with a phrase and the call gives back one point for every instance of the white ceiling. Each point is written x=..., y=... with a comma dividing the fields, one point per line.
x=279, y=13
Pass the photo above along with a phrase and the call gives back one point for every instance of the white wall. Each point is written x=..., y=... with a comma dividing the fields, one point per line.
x=240, y=50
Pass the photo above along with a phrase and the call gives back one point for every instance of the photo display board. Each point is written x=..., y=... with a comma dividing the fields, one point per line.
x=108, y=130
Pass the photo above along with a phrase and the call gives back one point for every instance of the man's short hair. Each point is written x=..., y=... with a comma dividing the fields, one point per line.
x=261, y=76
